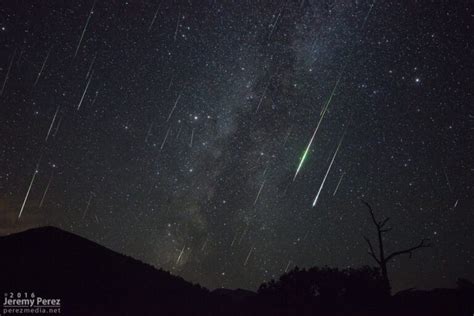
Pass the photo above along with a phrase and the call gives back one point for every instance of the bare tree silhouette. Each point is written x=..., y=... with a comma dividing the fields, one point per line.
x=382, y=259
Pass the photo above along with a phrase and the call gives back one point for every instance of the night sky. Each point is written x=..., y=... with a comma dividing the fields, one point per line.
x=172, y=132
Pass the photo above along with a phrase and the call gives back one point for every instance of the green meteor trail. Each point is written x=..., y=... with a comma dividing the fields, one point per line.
x=323, y=113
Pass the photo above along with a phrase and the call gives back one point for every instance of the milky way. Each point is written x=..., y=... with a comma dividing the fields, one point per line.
x=183, y=133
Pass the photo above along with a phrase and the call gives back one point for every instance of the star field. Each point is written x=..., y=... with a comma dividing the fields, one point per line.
x=171, y=131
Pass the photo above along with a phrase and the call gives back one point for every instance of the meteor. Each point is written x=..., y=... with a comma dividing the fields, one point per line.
x=338, y=184
x=85, y=91
x=149, y=132
x=180, y=254
x=276, y=22
x=174, y=107
x=327, y=172
x=325, y=108
x=95, y=98
x=28, y=192
x=46, y=190
x=85, y=28
x=8, y=73
x=447, y=180
x=31, y=184
x=192, y=138
x=259, y=191
x=154, y=18
x=177, y=27
x=87, y=207
x=57, y=126
x=243, y=233
x=262, y=97
x=52, y=123
x=233, y=240
x=166, y=137
x=91, y=65
x=179, y=131
x=204, y=244
x=323, y=113
x=248, y=256
x=303, y=158
x=42, y=68
x=367, y=15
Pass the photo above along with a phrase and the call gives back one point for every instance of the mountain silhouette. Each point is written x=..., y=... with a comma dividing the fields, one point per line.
x=90, y=279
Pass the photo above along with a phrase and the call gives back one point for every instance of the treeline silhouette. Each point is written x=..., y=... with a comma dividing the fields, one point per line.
x=93, y=280
x=358, y=291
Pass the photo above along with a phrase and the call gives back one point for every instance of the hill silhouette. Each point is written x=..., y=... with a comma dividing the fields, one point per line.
x=93, y=280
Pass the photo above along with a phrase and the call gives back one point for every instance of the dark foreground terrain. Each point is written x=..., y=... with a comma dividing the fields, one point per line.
x=92, y=280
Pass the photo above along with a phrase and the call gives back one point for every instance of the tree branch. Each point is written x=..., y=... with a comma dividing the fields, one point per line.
x=371, y=252
x=371, y=213
x=386, y=230
x=382, y=224
x=423, y=244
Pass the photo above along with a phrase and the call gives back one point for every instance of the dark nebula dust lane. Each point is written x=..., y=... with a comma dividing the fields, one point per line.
x=229, y=141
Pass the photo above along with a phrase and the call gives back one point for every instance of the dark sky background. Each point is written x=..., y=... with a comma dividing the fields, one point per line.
x=171, y=131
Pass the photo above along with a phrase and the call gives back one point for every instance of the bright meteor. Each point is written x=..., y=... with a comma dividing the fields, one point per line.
x=323, y=113
x=303, y=158
x=327, y=172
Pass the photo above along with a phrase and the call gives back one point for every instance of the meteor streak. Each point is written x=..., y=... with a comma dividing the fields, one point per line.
x=325, y=108
x=177, y=27
x=91, y=65
x=174, y=107
x=46, y=190
x=87, y=207
x=233, y=240
x=27, y=193
x=179, y=131
x=149, y=132
x=8, y=73
x=57, y=126
x=367, y=16
x=303, y=158
x=52, y=123
x=154, y=18
x=29, y=188
x=262, y=97
x=327, y=172
x=192, y=138
x=248, y=256
x=447, y=180
x=275, y=24
x=243, y=233
x=85, y=28
x=338, y=184
x=95, y=98
x=171, y=82
x=180, y=255
x=42, y=68
x=259, y=191
x=323, y=113
x=166, y=137
x=204, y=244
x=85, y=91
